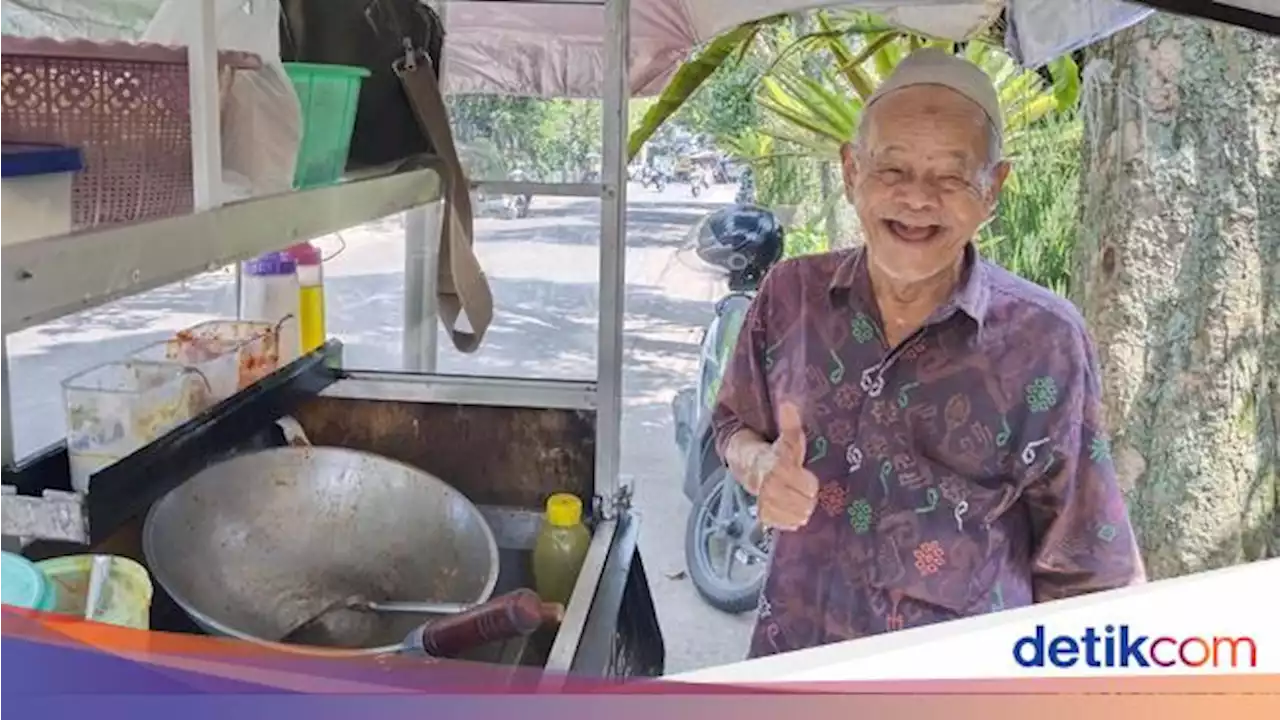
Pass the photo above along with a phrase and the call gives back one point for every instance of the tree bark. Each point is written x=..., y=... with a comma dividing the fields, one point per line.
x=1178, y=276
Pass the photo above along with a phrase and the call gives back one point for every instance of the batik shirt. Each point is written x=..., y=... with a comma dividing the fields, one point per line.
x=962, y=472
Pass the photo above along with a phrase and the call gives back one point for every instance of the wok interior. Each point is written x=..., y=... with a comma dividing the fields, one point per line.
x=262, y=542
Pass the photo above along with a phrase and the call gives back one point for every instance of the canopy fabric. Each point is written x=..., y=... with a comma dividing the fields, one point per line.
x=557, y=50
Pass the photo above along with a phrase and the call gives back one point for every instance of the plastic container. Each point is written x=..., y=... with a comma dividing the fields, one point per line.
x=24, y=585
x=328, y=96
x=115, y=408
x=310, y=296
x=269, y=294
x=126, y=595
x=231, y=354
x=37, y=190
x=560, y=549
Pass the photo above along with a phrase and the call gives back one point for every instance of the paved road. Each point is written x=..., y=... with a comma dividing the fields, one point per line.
x=543, y=272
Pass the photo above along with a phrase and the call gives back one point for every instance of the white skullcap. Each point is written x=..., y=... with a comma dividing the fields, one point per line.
x=932, y=66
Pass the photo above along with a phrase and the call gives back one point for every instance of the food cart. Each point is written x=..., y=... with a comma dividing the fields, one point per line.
x=511, y=442
x=504, y=443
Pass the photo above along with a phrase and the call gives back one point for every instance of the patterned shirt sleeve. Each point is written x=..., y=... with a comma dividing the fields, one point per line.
x=743, y=401
x=1082, y=540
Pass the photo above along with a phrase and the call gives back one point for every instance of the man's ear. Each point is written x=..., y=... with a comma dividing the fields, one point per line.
x=998, y=176
x=848, y=169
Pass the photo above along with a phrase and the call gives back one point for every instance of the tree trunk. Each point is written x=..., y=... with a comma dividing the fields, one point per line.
x=1178, y=276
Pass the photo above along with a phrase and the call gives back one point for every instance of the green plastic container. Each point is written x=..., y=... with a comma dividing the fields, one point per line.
x=328, y=95
x=24, y=585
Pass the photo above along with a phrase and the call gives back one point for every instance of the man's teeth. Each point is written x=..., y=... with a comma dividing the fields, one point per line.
x=912, y=232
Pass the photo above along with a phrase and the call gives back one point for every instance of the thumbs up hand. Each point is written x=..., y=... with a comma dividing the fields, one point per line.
x=774, y=472
x=790, y=445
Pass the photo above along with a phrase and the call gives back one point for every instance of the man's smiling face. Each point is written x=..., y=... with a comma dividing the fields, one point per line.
x=922, y=179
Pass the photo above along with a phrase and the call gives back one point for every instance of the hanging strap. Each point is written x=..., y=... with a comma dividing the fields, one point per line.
x=463, y=287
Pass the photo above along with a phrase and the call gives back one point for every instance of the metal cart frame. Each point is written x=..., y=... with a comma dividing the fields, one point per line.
x=53, y=277
x=57, y=276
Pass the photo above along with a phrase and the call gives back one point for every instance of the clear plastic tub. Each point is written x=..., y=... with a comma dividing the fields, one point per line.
x=231, y=354
x=115, y=408
x=221, y=370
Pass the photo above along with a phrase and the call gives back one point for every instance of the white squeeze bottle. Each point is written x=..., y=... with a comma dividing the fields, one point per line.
x=269, y=292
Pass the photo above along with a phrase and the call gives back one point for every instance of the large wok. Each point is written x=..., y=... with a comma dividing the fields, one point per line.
x=253, y=546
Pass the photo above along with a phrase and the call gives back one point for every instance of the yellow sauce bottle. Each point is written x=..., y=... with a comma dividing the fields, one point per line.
x=560, y=549
x=310, y=296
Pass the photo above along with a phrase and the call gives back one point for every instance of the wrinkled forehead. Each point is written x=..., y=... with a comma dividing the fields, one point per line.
x=930, y=119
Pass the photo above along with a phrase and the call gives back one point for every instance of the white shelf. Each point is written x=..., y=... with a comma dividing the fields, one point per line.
x=52, y=277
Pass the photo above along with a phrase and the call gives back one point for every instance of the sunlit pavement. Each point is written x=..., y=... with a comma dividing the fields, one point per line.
x=543, y=271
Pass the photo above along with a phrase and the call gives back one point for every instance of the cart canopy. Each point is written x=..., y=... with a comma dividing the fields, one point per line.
x=556, y=48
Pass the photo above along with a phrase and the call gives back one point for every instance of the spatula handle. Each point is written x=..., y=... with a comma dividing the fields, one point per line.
x=514, y=614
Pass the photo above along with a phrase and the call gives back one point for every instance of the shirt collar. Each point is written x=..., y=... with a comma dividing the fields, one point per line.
x=972, y=296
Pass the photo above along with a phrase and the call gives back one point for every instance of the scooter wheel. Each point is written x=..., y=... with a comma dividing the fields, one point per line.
x=726, y=594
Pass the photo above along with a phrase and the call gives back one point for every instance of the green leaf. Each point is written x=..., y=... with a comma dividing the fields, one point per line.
x=850, y=64
x=816, y=145
x=801, y=120
x=1031, y=112
x=810, y=104
x=1066, y=82
x=686, y=81
x=887, y=58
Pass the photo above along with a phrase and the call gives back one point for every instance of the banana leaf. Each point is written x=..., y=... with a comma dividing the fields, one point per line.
x=811, y=105
x=688, y=78
x=1066, y=82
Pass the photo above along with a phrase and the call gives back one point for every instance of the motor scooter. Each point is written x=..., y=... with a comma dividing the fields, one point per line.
x=726, y=548
x=516, y=207
x=698, y=182
x=746, y=188
x=653, y=178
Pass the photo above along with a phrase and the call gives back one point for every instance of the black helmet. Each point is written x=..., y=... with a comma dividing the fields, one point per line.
x=746, y=240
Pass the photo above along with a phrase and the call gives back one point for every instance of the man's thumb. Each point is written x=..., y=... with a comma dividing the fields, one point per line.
x=791, y=431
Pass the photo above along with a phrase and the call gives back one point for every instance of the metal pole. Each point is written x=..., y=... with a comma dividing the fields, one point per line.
x=8, y=455
x=613, y=251
x=206, y=127
x=6, y=458
x=206, y=131
x=420, y=348
x=613, y=284
x=422, y=227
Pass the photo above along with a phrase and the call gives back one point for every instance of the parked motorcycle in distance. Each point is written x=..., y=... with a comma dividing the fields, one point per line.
x=652, y=178
x=698, y=182
x=746, y=188
x=726, y=548
x=516, y=207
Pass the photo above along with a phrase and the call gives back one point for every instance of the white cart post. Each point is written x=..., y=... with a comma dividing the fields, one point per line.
x=613, y=247
x=422, y=255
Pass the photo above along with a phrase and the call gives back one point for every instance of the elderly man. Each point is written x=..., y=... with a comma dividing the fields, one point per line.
x=922, y=429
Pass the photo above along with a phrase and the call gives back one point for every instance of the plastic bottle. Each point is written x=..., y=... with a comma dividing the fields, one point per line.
x=560, y=549
x=310, y=296
x=269, y=293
